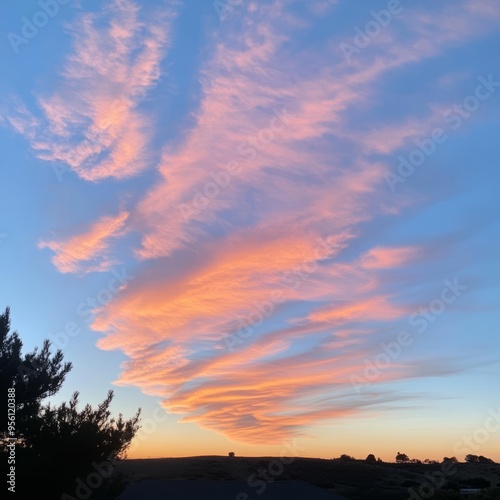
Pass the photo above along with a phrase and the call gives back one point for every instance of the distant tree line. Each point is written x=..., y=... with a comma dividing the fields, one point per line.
x=403, y=458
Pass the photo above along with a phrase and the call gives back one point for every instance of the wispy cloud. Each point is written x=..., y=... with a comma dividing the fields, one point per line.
x=93, y=123
x=380, y=258
x=272, y=164
x=251, y=236
x=87, y=252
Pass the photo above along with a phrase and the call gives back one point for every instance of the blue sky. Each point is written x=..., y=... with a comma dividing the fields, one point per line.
x=227, y=217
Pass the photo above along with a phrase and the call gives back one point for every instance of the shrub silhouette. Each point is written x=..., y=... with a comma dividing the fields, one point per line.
x=475, y=459
x=489, y=494
x=57, y=447
x=478, y=482
x=447, y=495
x=402, y=458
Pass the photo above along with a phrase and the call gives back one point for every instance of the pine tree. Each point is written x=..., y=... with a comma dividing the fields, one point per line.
x=60, y=451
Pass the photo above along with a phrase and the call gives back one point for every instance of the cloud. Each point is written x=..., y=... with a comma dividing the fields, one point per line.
x=380, y=258
x=231, y=234
x=259, y=228
x=375, y=308
x=175, y=333
x=87, y=252
x=243, y=92
x=93, y=123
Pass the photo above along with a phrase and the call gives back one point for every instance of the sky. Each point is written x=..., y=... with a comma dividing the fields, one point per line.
x=271, y=225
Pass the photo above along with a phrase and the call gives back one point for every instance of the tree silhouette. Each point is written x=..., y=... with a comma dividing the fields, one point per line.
x=475, y=459
x=34, y=376
x=57, y=448
x=402, y=458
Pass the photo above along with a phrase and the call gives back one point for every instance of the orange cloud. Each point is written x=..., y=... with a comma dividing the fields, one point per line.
x=252, y=393
x=87, y=251
x=375, y=308
x=380, y=258
x=231, y=230
x=235, y=219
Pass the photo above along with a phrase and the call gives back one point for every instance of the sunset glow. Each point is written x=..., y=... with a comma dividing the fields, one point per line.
x=260, y=223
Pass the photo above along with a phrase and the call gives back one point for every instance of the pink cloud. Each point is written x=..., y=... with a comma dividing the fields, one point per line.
x=213, y=264
x=380, y=258
x=374, y=308
x=87, y=252
x=93, y=123
x=161, y=327
x=216, y=266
